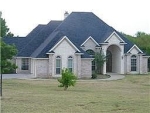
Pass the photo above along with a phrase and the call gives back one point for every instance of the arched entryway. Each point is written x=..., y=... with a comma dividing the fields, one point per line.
x=113, y=63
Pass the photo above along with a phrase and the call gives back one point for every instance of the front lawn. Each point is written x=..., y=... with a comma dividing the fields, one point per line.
x=130, y=95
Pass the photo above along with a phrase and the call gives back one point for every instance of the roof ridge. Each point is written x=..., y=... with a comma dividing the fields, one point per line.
x=30, y=41
x=44, y=44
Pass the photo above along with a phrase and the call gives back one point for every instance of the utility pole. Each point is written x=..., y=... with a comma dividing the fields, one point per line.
x=0, y=56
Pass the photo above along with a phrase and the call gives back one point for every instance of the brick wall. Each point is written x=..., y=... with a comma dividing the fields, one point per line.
x=86, y=68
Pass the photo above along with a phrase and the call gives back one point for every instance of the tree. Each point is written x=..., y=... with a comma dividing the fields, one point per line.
x=142, y=40
x=7, y=51
x=140, y=34
x=100, y=58
x=67, y=79
x=4, y=29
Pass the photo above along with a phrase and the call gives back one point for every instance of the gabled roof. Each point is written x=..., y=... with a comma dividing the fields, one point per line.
x=135, y=46
x=78, y=27
x=65, y=37
x=88, y=39
x=38, y=39
x=114, y=33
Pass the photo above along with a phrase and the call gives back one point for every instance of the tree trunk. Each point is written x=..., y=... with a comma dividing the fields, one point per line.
x=65, y=88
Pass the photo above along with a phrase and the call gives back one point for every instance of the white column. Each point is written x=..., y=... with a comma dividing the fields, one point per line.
x=104, y=65
x=79, y=66
x=140, y=64
x=122, y=64
x=128, y=64
x=35, y=68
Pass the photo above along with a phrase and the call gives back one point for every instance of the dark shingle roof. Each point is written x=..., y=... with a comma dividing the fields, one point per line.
x=38, y=39
x=78, y=26
x=17, y=41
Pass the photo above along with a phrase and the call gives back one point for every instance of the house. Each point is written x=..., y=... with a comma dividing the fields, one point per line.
x=66, y=44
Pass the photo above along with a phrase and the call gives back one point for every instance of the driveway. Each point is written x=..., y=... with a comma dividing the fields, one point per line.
x=114, y=76
x=18, y=76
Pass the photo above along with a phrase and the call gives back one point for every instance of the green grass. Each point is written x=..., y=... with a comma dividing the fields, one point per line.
x=130, y=95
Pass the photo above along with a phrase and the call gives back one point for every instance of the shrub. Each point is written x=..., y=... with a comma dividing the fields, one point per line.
x=94, y=75
x=67, y=79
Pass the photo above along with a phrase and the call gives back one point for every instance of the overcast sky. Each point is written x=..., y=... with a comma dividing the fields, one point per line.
x=128, y=16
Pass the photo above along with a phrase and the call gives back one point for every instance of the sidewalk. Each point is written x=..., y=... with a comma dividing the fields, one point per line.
x=18, y=76
x=113, y=76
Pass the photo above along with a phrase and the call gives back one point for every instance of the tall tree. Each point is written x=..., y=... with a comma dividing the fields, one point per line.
x=140, y=34
x=4, y=29
x=7, y=51
x=142, y=40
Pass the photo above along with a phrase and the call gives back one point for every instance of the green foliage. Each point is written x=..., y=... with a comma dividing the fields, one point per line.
x=67, y=79
x=94, y=75
x=142, y=40
x=4, y=29
x=100, y=58
x=7, y=53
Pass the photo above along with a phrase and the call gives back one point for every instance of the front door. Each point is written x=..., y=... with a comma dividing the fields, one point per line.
x=109, y=61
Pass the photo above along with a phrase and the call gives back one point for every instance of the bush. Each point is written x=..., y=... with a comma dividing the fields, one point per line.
x=94, y=75
x=67, y=79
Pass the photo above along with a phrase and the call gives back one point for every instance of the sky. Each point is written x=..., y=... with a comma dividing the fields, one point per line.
x=128, y=16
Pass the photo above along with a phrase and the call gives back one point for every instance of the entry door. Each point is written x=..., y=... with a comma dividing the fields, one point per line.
x=109, y=62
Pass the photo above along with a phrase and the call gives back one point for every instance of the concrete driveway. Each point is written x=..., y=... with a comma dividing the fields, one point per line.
x=17, y=76
x=114, y=76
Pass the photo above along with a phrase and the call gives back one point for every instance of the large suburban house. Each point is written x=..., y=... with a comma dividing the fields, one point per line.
x=66, y=44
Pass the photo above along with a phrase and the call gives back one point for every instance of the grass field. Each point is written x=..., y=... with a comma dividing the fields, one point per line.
x=130, y=95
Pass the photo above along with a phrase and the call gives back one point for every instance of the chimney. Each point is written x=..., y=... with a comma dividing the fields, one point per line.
x=66, y=14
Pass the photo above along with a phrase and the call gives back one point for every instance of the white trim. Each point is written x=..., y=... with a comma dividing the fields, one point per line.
x=79, y=53
x=88, y=58
x=88, y=39
x=116, y=35
x=147, y=56
x=65, y=37
x=104, y=43
x=41, y=58
x=136, y=48
x=50, y=53
x=23, y=57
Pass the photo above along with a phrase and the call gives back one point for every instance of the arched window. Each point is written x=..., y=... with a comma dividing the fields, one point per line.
x=133, y=63
x=58, y=65
x=70, y=63
x=90, y=52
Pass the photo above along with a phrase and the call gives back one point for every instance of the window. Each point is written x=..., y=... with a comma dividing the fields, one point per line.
x=70, y=63
x=133, y=63
x=58, y=65
x=25, y=64
x=92, y=53
x=93, y=65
